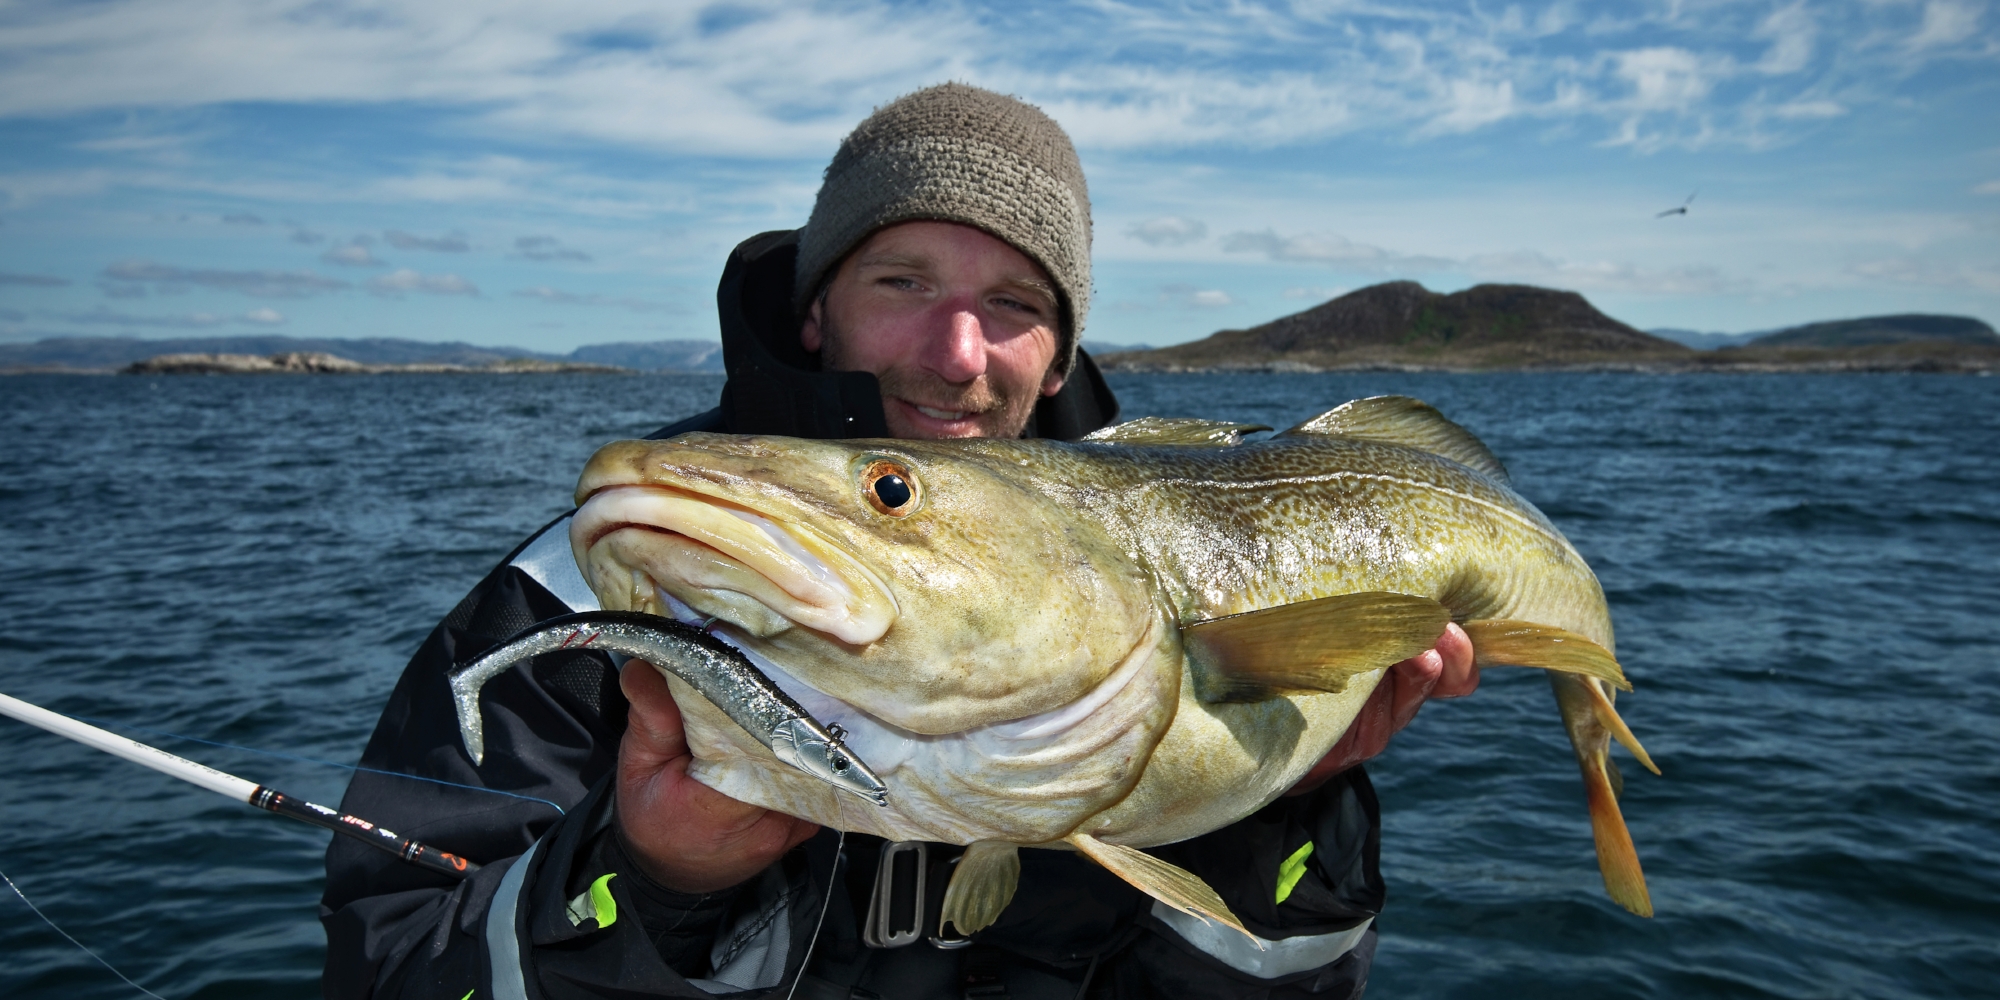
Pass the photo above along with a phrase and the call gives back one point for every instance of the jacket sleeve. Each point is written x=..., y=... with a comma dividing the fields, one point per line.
x=552, y=731
x=1303, y=875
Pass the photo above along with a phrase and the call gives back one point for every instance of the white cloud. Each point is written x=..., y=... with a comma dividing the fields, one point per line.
x=1168, y=231
x=1523, y=266
x=1946, y=22
x=1474, y=104
x=350, y=255
x=128, y=276
x=1791, y=31
x=1807, y=109
x=1664, y=78
x=1188, y=296
x=1328, y=248
x=546, y=248
x=448, y=243
x=182, y=321
x=559, y=297
x=405, y=280
x=1528, y=267
x=1990, y=187
x=783, y=80
x=1930, y=273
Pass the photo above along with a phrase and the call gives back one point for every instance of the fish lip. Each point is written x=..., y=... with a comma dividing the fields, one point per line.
x=828, y=576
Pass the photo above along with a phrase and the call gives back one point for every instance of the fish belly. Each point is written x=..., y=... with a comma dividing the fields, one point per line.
x=1028, y=782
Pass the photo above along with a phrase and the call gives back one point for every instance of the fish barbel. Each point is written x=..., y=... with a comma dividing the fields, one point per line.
x=1103, y=645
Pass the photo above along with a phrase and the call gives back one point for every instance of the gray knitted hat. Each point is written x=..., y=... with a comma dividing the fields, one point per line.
x=956, y=153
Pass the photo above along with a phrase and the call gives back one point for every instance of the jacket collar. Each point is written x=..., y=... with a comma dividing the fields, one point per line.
x=776, y=386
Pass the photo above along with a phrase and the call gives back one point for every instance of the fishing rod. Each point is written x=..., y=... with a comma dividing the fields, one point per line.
x=241, y=789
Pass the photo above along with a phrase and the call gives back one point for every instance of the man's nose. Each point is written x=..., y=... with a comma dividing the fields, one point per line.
x=958, y=347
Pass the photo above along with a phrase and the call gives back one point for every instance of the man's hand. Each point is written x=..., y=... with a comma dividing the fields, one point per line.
x=1444, y=671
x=687, y=836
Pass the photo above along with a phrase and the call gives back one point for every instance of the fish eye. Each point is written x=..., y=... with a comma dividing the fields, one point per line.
x=890, y=488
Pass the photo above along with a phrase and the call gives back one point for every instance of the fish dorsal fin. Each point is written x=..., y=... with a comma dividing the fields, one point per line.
x=1170, y=884
x=982, y=884
x=1173, y=430
x=1309, y=646
x=1411, y=423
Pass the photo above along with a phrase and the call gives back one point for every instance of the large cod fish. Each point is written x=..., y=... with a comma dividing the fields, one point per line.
x=1102, y=646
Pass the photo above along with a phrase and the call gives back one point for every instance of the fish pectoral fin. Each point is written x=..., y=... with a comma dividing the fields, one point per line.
x=1309, y=646
x=1170, y=884
x=1173, y=430
x=1616, y=857
x=1411, y=423
x=1500, y=643
x=982, y=885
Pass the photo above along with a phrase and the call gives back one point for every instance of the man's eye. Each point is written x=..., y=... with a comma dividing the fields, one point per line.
x=890, y=488
x=1016, y=305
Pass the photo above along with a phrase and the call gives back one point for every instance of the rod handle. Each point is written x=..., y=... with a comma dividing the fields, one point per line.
x=404, y=848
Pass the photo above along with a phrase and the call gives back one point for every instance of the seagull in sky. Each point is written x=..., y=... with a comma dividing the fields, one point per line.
x=1683, y=210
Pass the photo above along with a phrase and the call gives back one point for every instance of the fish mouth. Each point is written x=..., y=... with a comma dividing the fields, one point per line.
x=761, y=574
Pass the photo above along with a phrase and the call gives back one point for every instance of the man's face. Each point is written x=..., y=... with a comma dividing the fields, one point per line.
x=959, y=327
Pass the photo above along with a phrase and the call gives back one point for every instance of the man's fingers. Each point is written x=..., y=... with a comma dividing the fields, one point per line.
x=1460, y=676
x=1411, y=681
x=654, y=722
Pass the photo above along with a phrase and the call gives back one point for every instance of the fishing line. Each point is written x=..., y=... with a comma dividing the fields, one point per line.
x=328, y=763
x=79, y=944
x=832, y=874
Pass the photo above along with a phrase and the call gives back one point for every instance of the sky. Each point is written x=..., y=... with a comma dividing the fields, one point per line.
x=552, y=175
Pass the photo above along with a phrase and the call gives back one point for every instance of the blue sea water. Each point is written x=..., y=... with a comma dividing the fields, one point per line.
x=1804, y=571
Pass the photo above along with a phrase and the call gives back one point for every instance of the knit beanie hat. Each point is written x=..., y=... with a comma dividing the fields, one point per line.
x=955, y=153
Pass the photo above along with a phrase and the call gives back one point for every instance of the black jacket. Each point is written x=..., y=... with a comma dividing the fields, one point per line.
x=538, y=813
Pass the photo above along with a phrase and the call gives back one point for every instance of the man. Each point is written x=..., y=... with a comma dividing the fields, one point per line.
x=937, y=291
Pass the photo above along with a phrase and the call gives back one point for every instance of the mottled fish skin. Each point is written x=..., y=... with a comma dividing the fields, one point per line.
x=1033, y=573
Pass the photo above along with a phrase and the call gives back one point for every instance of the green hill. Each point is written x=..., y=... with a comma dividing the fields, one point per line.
x=1902, y=329
x=1403, y=324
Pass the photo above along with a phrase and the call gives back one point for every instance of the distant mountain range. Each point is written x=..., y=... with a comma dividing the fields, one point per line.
x=1904, y=328
x=1402, y=325
x=114, y=353
x=1399, y=324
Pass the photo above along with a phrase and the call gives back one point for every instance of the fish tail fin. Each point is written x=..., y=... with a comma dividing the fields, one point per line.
x=1616, y=857
x=1170, y=884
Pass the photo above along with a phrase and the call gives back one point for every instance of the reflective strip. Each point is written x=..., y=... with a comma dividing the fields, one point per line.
x=1292, y=870
x=1257, y=956
x=594, y=903
x=549, y=560
x=503, y=936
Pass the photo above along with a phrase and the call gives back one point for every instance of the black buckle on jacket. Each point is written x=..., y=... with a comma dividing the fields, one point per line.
x=896, y=906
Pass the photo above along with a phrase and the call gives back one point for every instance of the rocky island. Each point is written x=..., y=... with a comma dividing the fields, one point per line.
x=1401, y=325
x=319, y=363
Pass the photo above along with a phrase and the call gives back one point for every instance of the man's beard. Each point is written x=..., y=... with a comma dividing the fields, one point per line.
x=997, y=413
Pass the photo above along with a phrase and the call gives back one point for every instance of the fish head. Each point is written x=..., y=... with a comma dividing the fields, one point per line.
x=926, y=583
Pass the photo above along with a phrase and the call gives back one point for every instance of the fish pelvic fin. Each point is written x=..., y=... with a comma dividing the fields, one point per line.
x=1170, y=884
x=1313, y=645
x=1411, y=423
x=1501, y=643
x=982, y=885
x=1616, y=857
x=1607, y=716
